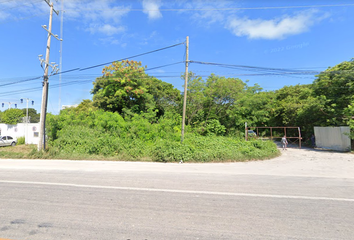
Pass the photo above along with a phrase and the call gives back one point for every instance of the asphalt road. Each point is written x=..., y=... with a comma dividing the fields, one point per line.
x=301, y=195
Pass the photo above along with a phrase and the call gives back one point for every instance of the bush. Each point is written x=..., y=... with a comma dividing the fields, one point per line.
x=21, y=140
x=212, y=149
x=107, y=134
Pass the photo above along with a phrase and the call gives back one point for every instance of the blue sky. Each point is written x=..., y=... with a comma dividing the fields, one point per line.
x=287, y=35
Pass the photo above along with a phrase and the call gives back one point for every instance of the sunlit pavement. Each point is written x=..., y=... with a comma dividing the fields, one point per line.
x=303, y=194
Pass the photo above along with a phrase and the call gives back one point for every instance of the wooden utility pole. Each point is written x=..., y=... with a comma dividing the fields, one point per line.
x=185, y=90
x=42, y=140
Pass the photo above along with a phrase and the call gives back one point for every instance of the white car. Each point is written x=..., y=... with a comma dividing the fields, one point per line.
x=252, y=133
x=7, y=141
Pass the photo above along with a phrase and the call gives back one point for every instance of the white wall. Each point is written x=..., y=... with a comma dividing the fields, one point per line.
x=333, y=138
x=28, y=130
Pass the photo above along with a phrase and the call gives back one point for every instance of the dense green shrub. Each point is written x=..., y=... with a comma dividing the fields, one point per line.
x=21, y=140
x=100, y=133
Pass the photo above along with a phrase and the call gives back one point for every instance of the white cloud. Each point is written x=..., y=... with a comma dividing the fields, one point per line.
x=8, y=9
x=4, y=15
x=98, y=16
x=94, y=16
x=111, y=41
x=105, y=29
x=207, y=17
x=278, y=28
x=152, y=8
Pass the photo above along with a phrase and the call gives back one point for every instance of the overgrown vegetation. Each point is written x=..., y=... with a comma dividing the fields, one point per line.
x=21, y=140
x=13, y=116
x=134, y=116
x=102, y=133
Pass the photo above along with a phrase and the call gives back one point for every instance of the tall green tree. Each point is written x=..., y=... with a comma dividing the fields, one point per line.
x=122, y=86
x=221, y=94
x=125, y=88
x=210, y=101
x=195, y=99
x=12, y=116
x=298, y=106
x=254, y=107
x=32, y=114
x=166, y=98
x=335, y=87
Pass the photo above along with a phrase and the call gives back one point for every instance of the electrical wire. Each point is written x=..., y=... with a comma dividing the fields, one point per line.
x=6, y=1
x=80, y=82
x=21, y=81
x=208, y=9
x=22, y=3
x=290, y=73
x=148, y=69
x=102, y=64
x=138, y=55
x=83, y=69
x=274, y=72
x=24, y=18
x=248, y=67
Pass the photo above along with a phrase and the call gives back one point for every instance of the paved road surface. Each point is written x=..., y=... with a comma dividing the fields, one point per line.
x=303, y=194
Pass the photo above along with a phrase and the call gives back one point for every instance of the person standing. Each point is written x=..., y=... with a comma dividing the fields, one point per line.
x=313, y=141
x=284, y=142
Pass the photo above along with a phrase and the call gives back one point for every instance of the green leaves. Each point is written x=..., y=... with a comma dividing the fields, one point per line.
x=336, y=86
x=12, y=116
x=121, y=86
x=125, y=88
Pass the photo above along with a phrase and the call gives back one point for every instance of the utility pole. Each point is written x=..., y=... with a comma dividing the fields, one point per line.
x=61, y=50
x=27, y=100
x=10, y=103
x=42, y=140
x=185, y=90
x=26, y=131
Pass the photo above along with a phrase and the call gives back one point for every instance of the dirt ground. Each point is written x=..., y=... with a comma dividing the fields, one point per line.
x=310, y=162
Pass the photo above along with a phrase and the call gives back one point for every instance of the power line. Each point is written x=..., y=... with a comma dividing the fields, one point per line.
x=208, y=9
x=275, y=71
x=148, y=69
x=138, y=55
x=249, y=67
x=22, y=3
x=21, y=81
x=7, y=93
x=79, y=82
x=23, y=18
x=6, y=1
x=282, y=71
x=86, y=68
x=205, y=71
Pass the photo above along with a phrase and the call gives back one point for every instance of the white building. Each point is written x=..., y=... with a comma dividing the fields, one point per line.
x=333, y=138
x=28, y=130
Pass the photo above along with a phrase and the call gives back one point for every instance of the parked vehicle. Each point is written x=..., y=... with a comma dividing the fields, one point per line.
x=252, y=133
x=7, y=141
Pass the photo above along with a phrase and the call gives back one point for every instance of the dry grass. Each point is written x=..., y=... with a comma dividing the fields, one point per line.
x=19, y=151
x=18, y=148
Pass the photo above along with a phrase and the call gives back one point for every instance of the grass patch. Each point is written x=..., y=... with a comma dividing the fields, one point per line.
x=18, y=151
x=194, y=149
